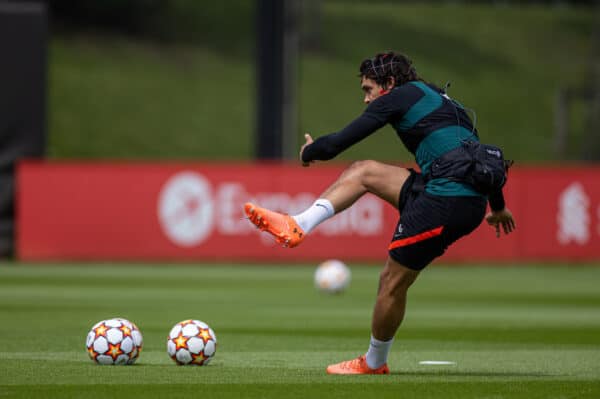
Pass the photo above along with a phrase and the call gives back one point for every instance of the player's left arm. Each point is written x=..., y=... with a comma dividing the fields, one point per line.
x=500, y=216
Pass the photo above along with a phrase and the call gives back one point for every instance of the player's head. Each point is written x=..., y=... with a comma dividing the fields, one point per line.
x=385, y=71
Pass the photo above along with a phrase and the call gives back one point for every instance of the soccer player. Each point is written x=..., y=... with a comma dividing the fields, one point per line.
x=433, y=212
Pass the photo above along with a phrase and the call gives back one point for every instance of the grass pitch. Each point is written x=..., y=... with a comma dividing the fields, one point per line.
x=514, y=332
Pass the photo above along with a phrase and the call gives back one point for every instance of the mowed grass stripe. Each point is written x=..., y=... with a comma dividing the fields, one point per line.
x=343, y=389
x=576, y=364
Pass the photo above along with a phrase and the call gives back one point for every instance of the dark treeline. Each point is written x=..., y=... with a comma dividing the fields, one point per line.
x=179, y=19
x=221, y=25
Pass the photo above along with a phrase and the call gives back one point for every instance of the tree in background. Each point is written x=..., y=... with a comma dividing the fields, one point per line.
x=591, y=143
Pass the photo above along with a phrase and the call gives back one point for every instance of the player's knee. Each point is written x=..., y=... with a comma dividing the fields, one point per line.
x=363, y=170
x=390, y=284
x=362, y=167
x=394, y=281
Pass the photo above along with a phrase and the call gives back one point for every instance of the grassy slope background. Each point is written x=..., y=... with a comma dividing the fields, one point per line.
x=193, y=98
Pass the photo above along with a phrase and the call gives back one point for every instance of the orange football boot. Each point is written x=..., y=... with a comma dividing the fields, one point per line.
x=356, y=366
x=283, y=227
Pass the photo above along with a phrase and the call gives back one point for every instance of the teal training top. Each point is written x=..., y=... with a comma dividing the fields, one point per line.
x=428, y=122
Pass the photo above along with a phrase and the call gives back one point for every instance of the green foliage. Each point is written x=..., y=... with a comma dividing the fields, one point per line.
x=514, y=332
x=505, y=62
x=147, y=101
x=112, y=97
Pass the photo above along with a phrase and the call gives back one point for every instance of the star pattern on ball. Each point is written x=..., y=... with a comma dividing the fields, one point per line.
x=114, y=350
x=100, y=331
x=126, y=330
x=92, y=352
x=180, y=342
x=205, y=334
x=186, y=322
x=198, y=358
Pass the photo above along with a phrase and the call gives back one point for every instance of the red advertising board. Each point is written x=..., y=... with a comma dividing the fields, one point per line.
x=193, y=212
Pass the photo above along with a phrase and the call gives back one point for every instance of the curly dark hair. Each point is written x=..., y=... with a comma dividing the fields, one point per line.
x=384, y=66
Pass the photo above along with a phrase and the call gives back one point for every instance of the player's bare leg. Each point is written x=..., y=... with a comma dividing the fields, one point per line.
x=382, y=180
x=394, y=282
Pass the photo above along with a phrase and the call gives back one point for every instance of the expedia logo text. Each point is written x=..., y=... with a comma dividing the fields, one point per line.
x=191, y=209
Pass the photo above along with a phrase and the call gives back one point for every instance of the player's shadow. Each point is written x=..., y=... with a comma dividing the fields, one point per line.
x=466, y=373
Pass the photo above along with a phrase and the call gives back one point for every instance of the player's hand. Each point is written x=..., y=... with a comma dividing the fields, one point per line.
x=309, y=141
x=502, y=219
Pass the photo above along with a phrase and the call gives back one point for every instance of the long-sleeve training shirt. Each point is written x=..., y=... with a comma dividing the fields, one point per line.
x=425, y=119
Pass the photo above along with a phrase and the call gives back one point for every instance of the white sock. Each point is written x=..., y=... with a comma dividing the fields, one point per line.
x=317, y=213
x=378, y=352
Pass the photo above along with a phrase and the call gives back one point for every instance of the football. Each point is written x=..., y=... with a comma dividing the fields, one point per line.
x=138, y=339
x=191, y=342
x=112, y=342
x=332, y=276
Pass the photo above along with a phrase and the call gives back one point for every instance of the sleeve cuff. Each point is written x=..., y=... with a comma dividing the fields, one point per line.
x=496, y=201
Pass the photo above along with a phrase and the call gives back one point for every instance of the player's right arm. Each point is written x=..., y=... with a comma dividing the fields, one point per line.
x=327, y=147
x=309, y=141
x=378, y=113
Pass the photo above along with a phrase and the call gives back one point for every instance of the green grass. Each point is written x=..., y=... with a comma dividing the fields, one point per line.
x=112, y=97
x=514, y=332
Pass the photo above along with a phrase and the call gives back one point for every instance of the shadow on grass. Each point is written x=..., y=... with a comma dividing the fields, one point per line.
x=454, y=373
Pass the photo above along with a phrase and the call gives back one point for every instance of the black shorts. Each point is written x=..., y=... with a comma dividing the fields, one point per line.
x=429, y=223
